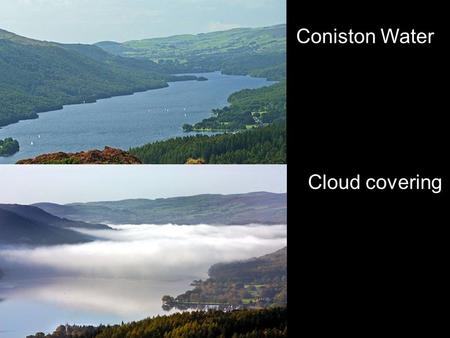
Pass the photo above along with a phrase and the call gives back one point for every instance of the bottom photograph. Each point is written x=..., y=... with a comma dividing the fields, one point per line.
x=143, y=251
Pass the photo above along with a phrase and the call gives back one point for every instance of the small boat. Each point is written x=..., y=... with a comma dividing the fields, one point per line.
x=32, y=143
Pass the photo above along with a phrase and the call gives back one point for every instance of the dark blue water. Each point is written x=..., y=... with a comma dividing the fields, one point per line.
x=126, y=121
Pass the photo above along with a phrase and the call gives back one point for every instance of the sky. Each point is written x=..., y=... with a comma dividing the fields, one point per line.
x=69, y=184
x=88, y=21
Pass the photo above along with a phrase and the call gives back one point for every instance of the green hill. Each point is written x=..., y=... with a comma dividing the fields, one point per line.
x=37, y=76
x=249, y=108
x=254, y=51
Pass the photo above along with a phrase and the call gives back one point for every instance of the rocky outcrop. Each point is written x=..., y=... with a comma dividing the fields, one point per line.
x=107, y=156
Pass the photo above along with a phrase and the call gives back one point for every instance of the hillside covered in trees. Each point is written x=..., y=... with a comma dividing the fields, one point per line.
x=249, y=108
x=254, y=283
x=266, y=145
x=38, y=76
x=257, y=52
x=236, y=324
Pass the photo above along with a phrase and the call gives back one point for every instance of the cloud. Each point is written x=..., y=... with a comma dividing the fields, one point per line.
x=128, y=273
x=153, y=252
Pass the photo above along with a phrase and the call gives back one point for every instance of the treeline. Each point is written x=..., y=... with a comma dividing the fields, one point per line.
x=9, y=147
x=261, y=145
x=235, y=324
x=248, y=108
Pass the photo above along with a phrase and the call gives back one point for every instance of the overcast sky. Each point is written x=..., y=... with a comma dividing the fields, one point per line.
x=66, y=184
x=90, y=21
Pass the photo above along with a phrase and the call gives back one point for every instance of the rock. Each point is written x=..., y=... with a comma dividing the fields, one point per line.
x=107, y=156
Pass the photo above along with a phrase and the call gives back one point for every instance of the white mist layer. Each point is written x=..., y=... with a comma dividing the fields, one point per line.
x=152, y=252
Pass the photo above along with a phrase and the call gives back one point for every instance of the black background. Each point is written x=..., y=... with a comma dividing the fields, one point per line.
x=362, y=262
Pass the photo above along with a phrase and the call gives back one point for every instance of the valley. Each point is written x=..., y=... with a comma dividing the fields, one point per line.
x=70, y=82
x=107, y=260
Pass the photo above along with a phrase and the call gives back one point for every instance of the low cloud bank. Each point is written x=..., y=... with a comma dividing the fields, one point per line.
x=151, y=252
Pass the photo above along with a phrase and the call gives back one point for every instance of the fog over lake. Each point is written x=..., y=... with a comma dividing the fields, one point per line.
x=122, y=276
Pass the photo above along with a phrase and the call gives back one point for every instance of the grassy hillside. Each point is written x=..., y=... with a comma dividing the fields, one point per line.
x=263, y=208
x=40, y=76
x=253, y=51
x=237, y=324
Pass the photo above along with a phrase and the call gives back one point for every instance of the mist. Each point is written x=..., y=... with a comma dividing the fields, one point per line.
x=152, y=252
x=124, y=275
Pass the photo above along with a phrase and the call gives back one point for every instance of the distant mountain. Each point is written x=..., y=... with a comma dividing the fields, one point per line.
x=38, y=215
x=254, y=51
x=18, y=230
x=259, y=207
x=38, y=76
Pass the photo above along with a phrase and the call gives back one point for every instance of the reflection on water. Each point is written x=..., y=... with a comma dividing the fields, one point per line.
x=121, y=279
x=43, y=304
x=117, y=297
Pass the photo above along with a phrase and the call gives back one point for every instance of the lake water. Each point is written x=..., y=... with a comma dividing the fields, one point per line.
x=121, y=278
x=126, y=121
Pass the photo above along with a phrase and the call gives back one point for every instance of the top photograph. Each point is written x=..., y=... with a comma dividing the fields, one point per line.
x=142, y=82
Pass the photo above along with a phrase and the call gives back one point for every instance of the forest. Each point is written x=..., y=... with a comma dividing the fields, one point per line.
x=249, y=108
x=9, y=147
x=235, y=324
x=255, y=283
x=265, y=145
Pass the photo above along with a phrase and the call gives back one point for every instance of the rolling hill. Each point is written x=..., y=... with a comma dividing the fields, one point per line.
x=28, y=225
x=254, y=51
x=18, y=230
x=38, y=76
x=259, y=207
x=35, y=214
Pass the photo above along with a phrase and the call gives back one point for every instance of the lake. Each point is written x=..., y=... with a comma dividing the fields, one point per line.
x=119, y=278
x=126, y=121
